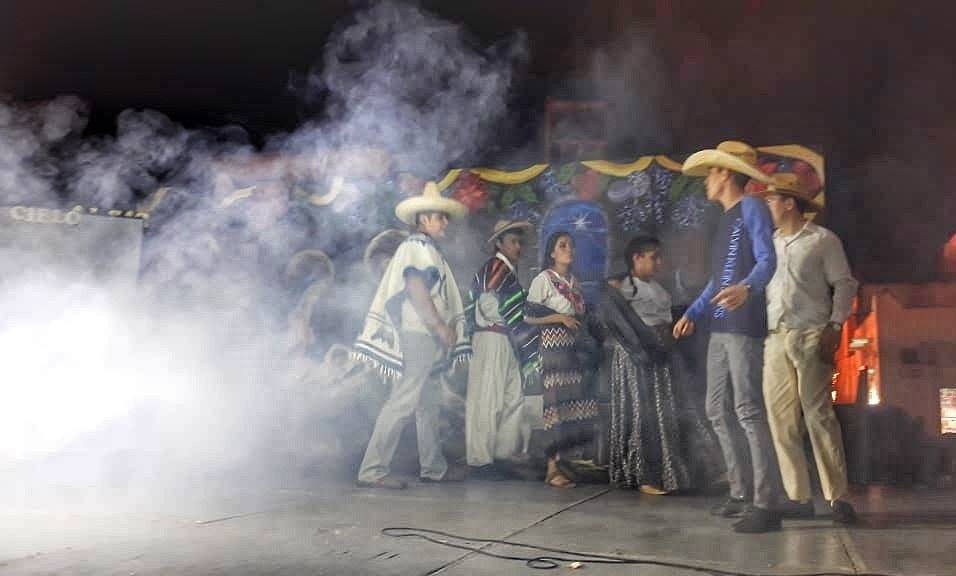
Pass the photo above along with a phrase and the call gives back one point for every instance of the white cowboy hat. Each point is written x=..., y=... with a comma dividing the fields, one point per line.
x=789, y=185
x=732, y=155
x=430, y=200
x=502, y=226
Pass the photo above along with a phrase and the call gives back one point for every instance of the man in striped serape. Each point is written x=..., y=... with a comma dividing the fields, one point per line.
x=494, y=418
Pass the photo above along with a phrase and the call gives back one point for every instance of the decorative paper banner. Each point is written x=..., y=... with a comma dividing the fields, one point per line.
x=625, y=170
x=532, y=172
x=340, y=184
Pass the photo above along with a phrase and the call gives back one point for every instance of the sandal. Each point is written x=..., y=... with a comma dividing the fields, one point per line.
x=652, y=490
x=556, y=479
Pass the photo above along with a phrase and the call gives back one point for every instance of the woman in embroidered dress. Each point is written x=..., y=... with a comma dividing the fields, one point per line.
x=555, y=303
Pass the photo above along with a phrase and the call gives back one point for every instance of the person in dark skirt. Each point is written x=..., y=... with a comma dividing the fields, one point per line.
x=555, y=304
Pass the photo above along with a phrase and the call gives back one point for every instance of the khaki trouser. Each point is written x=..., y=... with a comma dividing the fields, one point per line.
x=796, y=384
x=417, y=395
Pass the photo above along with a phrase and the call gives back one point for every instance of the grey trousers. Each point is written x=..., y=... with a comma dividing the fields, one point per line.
x=416, y=395
x=734, y=402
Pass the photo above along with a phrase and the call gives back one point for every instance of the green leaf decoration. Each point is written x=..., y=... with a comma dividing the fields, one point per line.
x=604, y=182
x=508, y=198
x=525, y=193
x=566, y=172
x=684, y=185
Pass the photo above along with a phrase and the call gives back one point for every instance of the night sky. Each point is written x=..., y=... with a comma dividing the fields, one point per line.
x=870, y=82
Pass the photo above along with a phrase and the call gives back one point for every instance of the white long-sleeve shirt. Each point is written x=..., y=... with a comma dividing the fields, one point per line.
x=812, y=285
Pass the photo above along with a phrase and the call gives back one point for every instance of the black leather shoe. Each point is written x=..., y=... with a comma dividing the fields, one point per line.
x=730, y=507
x=843, y=512
x=490, y=472
x=758, y=521
x=796, y=510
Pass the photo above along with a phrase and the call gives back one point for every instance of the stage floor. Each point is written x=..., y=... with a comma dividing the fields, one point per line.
x=335, y=529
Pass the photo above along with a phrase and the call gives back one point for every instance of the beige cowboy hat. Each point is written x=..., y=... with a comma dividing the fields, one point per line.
x=502, y=226
x=797, y=152
x=430, y=200
x=788, y=184
x=732, y=155
x=383, y=246
x=310, y=261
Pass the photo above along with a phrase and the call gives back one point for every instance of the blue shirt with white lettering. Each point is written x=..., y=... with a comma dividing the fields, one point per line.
x=742, y=253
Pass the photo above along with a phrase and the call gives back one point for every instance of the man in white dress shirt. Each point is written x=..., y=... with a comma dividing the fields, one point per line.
x=808, y=300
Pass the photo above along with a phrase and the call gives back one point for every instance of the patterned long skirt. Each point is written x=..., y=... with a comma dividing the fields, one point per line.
x=645, y=433
x=570, y=412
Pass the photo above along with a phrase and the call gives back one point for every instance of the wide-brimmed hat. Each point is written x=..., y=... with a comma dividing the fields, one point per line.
x=383, y=246
x=502, y=226
x=732, y=155
x=788, y=184
x=311, y=264
x=430, y=200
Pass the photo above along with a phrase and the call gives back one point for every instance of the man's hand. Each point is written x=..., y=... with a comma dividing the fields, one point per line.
x=446, y=335
x=684, y=327
x=829, y=342
x=731, y=297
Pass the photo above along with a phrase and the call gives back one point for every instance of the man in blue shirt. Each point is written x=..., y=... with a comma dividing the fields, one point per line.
x=743, y=261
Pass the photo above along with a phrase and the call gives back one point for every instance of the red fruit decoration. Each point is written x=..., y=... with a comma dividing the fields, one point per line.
x=587, y=185
x=804, y=171
x=471, y=192
x=754, y=187
x=807, y=175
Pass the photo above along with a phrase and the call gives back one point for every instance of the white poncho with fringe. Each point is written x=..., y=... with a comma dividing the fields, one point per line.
x=379, y=344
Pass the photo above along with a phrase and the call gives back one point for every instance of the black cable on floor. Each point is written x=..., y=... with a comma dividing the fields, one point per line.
x=558, y=556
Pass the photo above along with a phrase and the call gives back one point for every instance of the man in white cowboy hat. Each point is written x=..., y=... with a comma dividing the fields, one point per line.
x=494, y=405
x=808, y=300
x=414, y=331
x=742, y=263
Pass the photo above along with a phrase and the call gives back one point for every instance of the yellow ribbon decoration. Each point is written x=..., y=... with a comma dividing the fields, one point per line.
x=448, y=179
x=517, y=177
x=619, y=170
x=625, y=170
x=666, y=162
x=496, y=176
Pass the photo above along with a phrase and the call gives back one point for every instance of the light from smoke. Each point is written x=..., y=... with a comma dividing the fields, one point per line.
x=192, y=372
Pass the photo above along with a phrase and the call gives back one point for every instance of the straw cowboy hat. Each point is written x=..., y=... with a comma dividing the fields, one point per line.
x=502, y=226
x=383, y=246
x=430, y=200
x=732, y=155
x=789, y=185
x=313, y=264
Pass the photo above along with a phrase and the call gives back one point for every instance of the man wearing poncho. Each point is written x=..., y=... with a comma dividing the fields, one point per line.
x=413, y=332
x=494, y=408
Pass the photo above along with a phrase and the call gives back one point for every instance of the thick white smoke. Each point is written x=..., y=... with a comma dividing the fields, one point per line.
x=196, y=371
